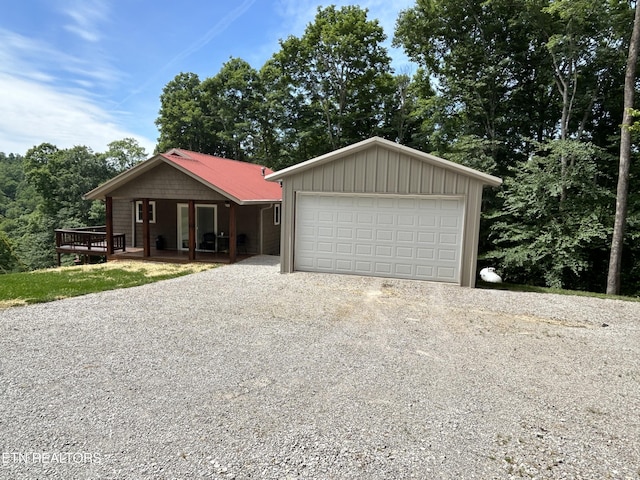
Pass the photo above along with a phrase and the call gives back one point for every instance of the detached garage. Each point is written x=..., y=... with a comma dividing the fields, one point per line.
x=379, y=208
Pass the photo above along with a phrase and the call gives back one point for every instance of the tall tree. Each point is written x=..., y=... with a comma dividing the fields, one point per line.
x=341, y=72
x=615, y=261
x=182, y=118
x=231, y=106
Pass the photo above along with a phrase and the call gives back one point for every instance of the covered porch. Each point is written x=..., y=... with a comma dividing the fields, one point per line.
x=188, y=230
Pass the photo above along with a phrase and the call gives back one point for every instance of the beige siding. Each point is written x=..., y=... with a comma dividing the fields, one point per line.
x=380, y=170
x=165, y=182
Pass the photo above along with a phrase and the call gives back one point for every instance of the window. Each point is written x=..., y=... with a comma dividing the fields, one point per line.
x=152, y=211
x=276, y=214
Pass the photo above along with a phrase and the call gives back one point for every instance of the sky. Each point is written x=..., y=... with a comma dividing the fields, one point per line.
x=88, y=72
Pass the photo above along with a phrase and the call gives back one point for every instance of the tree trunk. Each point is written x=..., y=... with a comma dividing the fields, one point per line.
x=615, y=260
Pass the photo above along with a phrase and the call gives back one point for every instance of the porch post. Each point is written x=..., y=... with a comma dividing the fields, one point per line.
x=145, y=228
x=192, y=230
x=232, y=232
x=109, y=228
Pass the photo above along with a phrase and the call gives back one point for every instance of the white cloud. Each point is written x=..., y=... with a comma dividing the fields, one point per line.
x=35, y=113
x=85, y=16
x=51, y=96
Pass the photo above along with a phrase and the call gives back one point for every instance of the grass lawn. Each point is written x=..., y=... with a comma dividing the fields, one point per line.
x=57, y=283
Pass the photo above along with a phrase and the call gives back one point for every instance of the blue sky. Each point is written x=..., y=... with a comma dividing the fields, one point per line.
x=87, y=72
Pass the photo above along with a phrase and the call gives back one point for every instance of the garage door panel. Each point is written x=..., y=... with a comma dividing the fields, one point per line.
x=448, y=239
x=344, y=265
x=384, y=219
x=427, y=221
x=446, y=272
x=427, y=238
x=325, y=232
x=404, y=269
x=449, y=222
x=447, y=254
x=325, y=247
x=345, y=233
x=383, y=235
x=363, y=267
x=326, y=264
x=425, y=254
x=365, y=218
x=384, y=251
x=405, y=252
x=405, y=236
x=345, y=217
x=383, y=268
x=325, y=217
x=344, y=248
x=364, y=234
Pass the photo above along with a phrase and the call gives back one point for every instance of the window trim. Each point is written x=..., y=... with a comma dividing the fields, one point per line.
x=152, y=211
x=277, y=213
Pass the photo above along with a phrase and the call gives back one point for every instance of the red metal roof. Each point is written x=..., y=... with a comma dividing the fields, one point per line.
x=240, y=180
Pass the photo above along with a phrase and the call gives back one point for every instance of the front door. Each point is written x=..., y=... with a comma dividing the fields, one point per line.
x=206, y=227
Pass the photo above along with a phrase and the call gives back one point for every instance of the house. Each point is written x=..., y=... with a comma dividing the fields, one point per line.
x=382, y=209
x=194, y=205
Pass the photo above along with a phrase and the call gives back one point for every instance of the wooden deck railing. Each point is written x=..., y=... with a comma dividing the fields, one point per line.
x=87, y=241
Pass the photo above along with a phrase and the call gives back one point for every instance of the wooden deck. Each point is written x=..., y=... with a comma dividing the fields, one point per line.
x=86, y=242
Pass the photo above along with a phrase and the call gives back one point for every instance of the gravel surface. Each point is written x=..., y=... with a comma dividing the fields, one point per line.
x=240, y=372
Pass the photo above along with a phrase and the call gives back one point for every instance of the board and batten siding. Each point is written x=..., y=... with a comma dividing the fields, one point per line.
x=379, y=170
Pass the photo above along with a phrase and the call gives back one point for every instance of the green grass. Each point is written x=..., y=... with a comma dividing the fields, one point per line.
x=57, y=283
x=513, y=287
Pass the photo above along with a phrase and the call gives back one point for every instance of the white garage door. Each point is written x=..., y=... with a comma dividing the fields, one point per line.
x=380, y=235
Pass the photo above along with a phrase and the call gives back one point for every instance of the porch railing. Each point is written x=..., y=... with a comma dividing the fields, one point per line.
x=87, y=240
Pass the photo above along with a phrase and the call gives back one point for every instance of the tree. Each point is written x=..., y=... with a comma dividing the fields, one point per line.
x=340, y=72
x=124, y=154
x=615, y=261
x=62, y=177
x=182, y=118
x=489, y=63
x=539, y=239
x=231, y=105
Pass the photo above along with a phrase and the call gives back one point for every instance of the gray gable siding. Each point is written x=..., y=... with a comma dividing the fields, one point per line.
x=166, y=182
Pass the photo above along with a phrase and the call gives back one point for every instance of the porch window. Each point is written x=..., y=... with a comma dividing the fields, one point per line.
x=276, y=214
x=152, y=211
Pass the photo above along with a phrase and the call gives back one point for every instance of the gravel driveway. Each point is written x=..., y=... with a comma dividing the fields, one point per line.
x=240, y=372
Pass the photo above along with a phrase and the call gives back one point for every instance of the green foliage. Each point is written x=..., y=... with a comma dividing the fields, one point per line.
x=44, y=190
x=182, y=116
x=9, y=261
x=62, y=177
x=340, y=73
x=124, y=154
x=540, y=238
x=232, y=100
